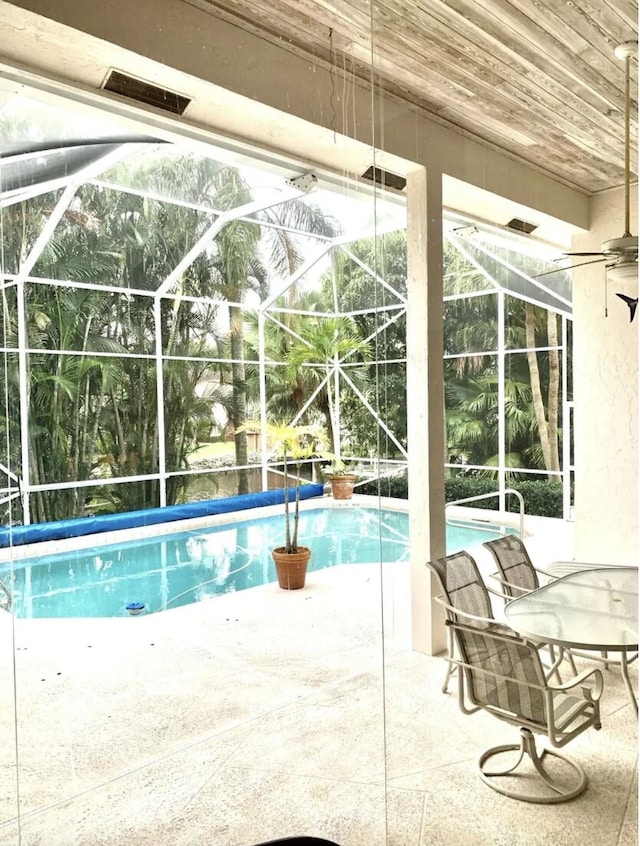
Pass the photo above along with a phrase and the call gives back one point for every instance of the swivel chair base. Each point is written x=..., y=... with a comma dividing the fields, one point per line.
x=551, y=791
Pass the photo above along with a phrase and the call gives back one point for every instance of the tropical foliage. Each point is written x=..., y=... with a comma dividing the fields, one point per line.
x=531, y=380
x=93, y=385
x=333, y=346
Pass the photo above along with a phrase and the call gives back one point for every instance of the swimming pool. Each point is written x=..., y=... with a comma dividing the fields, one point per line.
x=180, y=568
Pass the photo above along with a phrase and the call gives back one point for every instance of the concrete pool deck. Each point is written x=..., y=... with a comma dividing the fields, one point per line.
x=266, y=713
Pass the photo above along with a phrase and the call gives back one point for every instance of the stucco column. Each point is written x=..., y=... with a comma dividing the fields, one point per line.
x=605, y=379
x=425, y=402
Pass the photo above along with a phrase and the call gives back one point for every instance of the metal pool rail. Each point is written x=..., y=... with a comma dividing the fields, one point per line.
x=489, y=496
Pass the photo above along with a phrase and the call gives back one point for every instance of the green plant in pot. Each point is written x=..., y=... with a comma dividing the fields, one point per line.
x=293, y=445
x=342, y=479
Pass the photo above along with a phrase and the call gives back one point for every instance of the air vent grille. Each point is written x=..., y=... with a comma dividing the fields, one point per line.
x=384, y=178
x=521, y=226
x=145, y=92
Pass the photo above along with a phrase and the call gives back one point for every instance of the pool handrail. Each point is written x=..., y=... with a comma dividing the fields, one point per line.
x=489, y=496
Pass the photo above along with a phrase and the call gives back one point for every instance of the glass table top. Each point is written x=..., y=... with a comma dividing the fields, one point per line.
x=594, y=609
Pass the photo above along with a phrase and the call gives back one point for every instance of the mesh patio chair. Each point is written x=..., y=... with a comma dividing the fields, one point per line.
x=503, y=675
x=466, y=598
x=516, y=572
x=518, y=576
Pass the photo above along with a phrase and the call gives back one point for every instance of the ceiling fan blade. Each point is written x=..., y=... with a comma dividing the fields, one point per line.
x=573, y=267
x=596, y=253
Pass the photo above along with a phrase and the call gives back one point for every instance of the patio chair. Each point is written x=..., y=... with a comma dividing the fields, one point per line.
x=466, y=598
x=517, y=576
x=516, y=573
x=503, y=675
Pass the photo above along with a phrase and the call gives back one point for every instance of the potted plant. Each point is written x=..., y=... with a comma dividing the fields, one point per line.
x=342, y=479
x=294, y=444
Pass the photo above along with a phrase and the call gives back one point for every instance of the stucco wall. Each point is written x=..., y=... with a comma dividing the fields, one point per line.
x=606, y=397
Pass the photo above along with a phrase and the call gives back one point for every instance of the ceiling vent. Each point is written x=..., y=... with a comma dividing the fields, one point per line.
x=384, y=178
x=145, y=92
x=521, y=226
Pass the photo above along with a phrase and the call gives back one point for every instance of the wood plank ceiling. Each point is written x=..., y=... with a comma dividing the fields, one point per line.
x=536, y=78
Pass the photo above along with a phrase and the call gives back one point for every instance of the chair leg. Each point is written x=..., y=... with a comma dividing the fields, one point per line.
x=553, y=793
x=451, y=667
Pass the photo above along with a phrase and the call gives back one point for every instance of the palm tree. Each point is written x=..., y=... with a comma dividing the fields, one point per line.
x=87, y=411
x=325, y=344
x=547, y=418
x=472, y=420
x=471, y=327
x=68, y=381
x=248, y=258
x=121, y=238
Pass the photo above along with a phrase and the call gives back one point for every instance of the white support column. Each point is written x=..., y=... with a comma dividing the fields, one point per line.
x=566, y=426
x=263, y=401
x=162, y=442
x=23, y=382
x=502, y=440
x=334, y=386
x=425, y=403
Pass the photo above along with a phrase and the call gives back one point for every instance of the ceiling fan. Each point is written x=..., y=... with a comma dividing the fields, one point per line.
x=619, y=253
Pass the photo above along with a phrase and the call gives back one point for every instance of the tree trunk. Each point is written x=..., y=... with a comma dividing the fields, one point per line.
x=239, y=400
x=554, y=391
x=536, y=390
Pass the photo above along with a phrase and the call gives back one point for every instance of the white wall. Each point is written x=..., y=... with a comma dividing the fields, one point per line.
x=606, y=397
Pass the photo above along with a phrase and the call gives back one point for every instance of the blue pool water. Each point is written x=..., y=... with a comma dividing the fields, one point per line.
x=185, y=567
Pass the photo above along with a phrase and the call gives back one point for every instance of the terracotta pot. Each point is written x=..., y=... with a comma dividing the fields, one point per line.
x=342, y=486
x=291, y=567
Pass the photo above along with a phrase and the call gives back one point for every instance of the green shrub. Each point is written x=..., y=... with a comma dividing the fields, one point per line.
x=395, y=486
x=543, y=499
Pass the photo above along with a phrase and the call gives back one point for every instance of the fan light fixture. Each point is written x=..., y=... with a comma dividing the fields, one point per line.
x=623, y=271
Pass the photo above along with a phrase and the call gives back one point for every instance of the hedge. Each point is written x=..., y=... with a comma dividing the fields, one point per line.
x=543, y=499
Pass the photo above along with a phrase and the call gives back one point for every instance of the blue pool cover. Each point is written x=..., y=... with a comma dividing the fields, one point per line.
x=79, y=526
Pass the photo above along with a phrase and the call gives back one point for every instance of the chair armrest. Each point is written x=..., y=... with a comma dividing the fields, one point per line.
x=456, y=612
x=499, y=592
x=521, y=591
x=545, y=573
x=594, y=693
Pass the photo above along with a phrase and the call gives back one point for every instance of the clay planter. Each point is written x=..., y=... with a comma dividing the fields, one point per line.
x=342, y=486
x=291, y=567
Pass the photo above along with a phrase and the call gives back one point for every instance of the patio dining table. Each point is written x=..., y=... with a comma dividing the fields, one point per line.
x=592, y=609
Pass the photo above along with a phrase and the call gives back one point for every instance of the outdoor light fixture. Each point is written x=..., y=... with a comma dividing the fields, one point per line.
x=305, y=183
x=623, y=271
